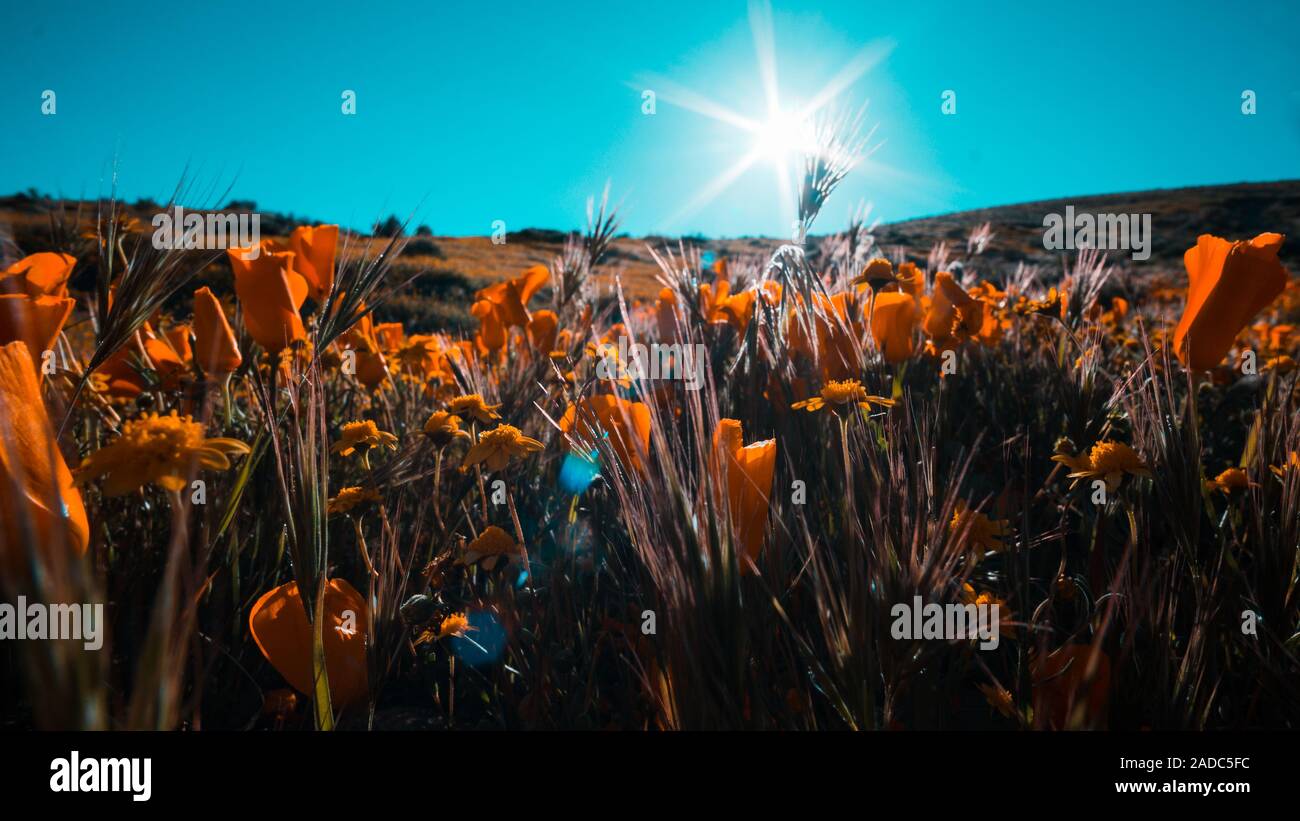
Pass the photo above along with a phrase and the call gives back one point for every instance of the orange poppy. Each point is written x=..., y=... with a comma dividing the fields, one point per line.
x=279, y=625
x=1229, y=283
x=37, y=495
x=749, y=473
x=314, y=250
x=626, y=423
x=35, y=321
x=712, y=297
x=271, y=292
x=840, y=334
x=218, y=352
x=43, y=274
x=119, y=376
x=509, y=299
x=909, y=279
x=952, y=312
x=542, y=329
x=492, y=330
x=838, y=324
x=170, y=354
x=736, y=310
x=390, y=335
x=371, y=366
x=893, y=320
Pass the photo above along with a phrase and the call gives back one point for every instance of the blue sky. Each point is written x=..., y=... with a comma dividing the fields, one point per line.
x=470, y=112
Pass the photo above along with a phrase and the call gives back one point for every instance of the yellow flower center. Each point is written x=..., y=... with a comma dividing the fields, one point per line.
x=848, y=390
x=493, y=541
x=366, y=432
x=162, y=437
x=501, y=436
x=1113, y=457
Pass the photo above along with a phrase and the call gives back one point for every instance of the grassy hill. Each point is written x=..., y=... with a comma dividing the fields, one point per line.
x=450, y=269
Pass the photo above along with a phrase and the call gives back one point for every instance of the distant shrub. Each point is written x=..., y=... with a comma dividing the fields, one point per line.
x=391, y=227
x=422, y=246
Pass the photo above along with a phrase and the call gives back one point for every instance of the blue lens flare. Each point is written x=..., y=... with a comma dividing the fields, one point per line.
x=483, y=643
x=577, y=472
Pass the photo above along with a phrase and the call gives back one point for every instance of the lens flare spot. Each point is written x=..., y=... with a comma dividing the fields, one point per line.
x=577, y=472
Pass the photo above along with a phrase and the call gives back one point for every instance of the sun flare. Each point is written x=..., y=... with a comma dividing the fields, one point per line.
x=786, y=135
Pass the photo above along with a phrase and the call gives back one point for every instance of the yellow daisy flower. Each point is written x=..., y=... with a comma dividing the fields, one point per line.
x=1228, y=481
x=157, y=449
x=456, y=624
x=442, y=427
x=1108, y=460
x=350, y=498
x=472, y=406
x=984, y=534
x=841, y=393
x=361, y=437
x=497, y=447
x=492, y=545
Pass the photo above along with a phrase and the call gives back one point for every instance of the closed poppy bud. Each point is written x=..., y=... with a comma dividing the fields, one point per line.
x=280, y=628
x=1229, y=283
x=38, y=499
x=372, y=369
x=35, y=321
x=314, y=250
x=271, y=294
x=43, y=274
x=893, y=320
x=542, y=329
x=216, y=348
x=749, y=473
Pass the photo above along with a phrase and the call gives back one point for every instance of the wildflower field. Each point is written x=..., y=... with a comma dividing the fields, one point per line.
x=696, y=509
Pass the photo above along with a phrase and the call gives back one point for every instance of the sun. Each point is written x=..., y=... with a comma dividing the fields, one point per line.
x=784, y=136
x=788, y=133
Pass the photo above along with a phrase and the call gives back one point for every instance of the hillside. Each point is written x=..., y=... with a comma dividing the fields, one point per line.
x=452, y=268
